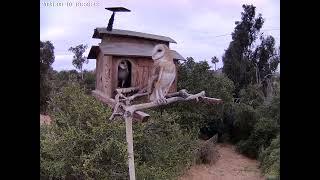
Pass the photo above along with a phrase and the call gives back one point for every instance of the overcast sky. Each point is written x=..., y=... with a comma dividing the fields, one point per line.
x=200, y=28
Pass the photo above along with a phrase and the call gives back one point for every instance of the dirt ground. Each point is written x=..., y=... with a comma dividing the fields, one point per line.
x=230, y=166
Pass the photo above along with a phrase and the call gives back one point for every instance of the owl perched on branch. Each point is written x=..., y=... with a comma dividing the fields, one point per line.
x=163, y=73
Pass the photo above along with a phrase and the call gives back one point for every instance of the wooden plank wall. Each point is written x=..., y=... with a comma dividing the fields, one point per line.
x=104, y=74
x=108, y=76
x=99, y=67
x=141, y=71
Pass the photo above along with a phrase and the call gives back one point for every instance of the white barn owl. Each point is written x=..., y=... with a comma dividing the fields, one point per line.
x=163, y=73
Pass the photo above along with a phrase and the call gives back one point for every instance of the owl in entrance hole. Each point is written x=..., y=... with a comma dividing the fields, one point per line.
x=123, y=73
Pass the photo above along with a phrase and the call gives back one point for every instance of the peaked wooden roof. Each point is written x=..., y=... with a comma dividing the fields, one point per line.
x=100, y=32
x=126, y=49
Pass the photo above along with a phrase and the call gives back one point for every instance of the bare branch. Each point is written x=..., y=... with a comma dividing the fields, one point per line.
x=138, y=115
x=127, y=90
x=131, y=98
x=210, y=100
x=129, y=110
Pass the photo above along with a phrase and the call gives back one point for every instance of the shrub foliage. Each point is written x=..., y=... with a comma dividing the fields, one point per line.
x=81, y=143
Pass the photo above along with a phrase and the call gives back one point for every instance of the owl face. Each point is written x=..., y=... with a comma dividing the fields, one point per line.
x=123, y=65
x=159, y=51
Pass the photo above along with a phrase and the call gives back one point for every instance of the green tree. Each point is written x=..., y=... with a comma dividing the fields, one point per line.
x=245, y=118
x=214, y=61
x=78, y=58
x=266, y=57
x=46, y=60
x=197, y=77
x=252, y=95
x=236, y=60
x=266, y=60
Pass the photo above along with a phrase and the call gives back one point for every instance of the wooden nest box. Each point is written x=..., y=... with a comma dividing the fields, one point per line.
x=135, y=48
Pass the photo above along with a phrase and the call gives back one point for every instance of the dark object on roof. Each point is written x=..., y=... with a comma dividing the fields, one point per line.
x=100, y=32
x=111, y=20
x=110, y=23
x=118, y=9
x=126, y=49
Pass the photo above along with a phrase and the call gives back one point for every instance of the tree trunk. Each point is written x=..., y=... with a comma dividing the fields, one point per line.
x=81, y=74
x=257, y=74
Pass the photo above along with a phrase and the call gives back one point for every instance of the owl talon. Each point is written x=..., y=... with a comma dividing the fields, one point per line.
x=158, y=102
x=162, y=101
x=165, y=101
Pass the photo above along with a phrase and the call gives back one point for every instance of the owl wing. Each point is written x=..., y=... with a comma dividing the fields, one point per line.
x=153, y=78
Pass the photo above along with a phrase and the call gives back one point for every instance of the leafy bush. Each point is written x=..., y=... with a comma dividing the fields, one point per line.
x=245, y=119
x=62, y=79
x=264, y=131
x=252, y=95
x=207, y=152
x=270, y=158
x=89, y=81
x=271, y=109
x=162, y=147
x=44, y=94
x=82, y=144
x=197, y=77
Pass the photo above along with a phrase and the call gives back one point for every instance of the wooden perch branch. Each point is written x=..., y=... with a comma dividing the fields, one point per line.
x=127, y=109
x=210, y=100
x=131, y=98
x=127, y=90
x=182, y=95
x=138, y=115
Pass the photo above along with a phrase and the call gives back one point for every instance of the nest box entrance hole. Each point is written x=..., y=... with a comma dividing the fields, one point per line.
x=124, y=74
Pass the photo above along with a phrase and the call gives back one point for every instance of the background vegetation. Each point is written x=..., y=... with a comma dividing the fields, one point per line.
x=81, y=143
